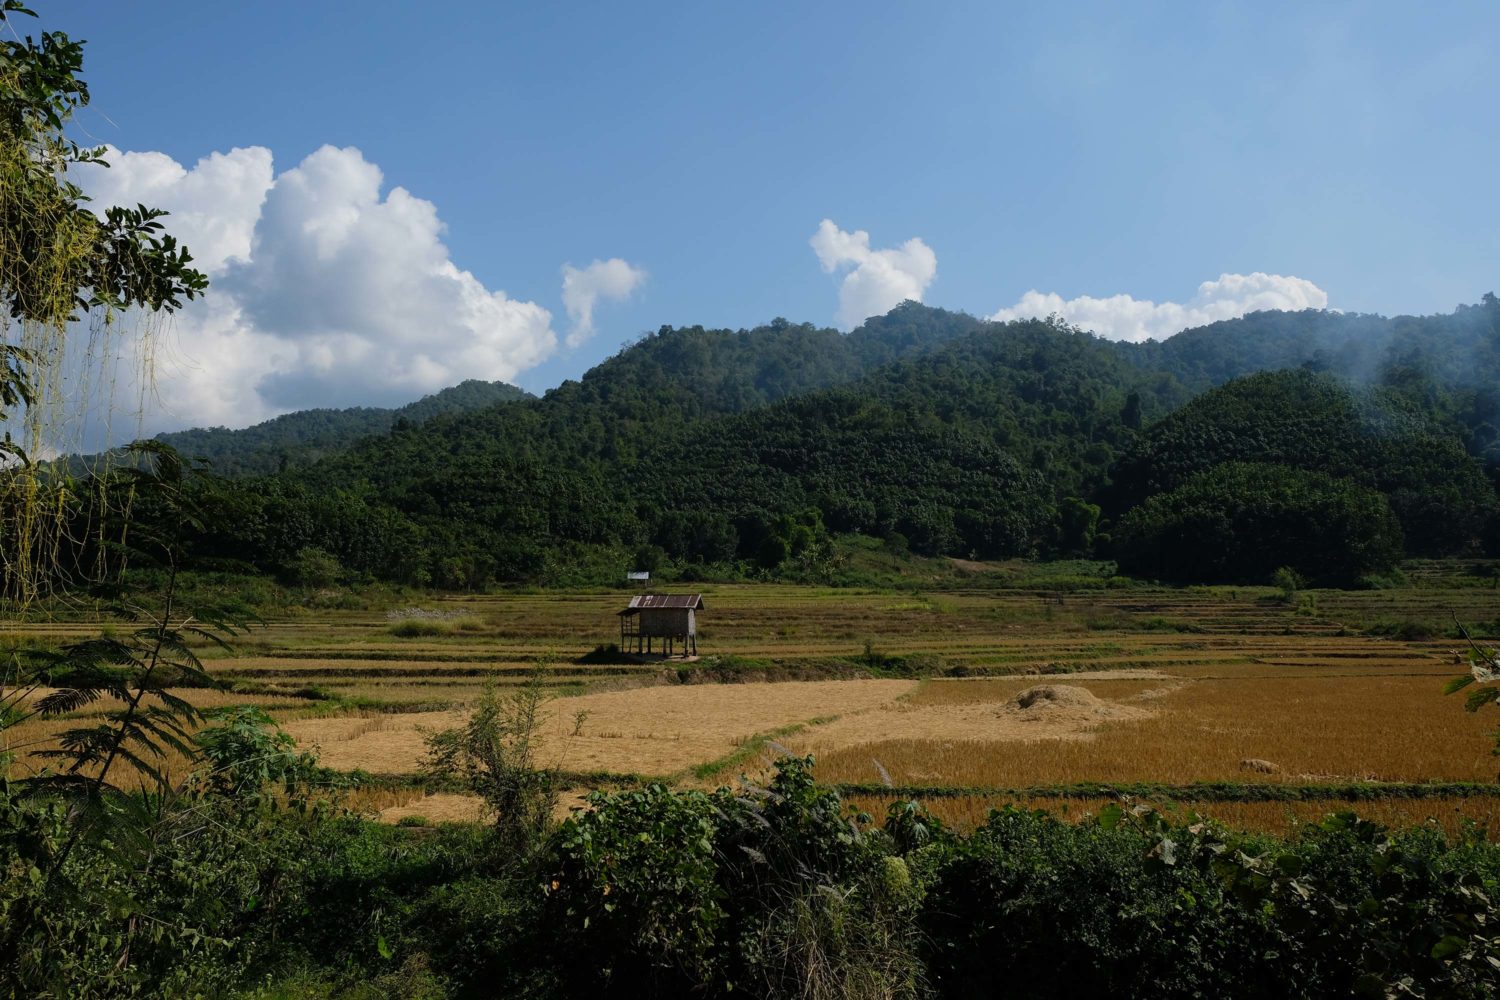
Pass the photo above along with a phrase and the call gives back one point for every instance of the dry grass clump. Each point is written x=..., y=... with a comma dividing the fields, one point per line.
x=1121, y=685
x=373, y=799
x=1065, y=704
x=984, y=723
x=437, y=807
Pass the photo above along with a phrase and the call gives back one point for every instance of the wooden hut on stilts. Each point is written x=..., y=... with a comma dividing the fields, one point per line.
x=669, y=622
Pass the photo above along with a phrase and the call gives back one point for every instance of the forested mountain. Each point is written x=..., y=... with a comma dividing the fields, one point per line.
x=1375, y=436
x=928, y=428
x=304, y=437
x=1457, y=350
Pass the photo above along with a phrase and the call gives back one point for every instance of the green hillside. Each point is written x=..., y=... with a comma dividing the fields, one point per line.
x=304, y=437
x=749, y=450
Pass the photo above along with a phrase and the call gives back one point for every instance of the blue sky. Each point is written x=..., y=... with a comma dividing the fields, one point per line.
x=1099, y=150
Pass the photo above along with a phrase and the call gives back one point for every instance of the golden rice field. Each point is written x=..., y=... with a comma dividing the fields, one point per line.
x=1157, y=685
x=652, y=731
x=1312, y=728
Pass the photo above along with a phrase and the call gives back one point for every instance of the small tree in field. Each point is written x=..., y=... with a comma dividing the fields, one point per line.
x=496, y=754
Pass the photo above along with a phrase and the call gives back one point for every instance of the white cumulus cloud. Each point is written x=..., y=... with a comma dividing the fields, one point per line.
x=877, y=280
x=324, y=291
x=1121, y=317
x=214, y=206
x=583, y=288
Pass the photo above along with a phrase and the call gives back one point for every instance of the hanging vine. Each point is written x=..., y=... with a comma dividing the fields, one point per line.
x=77, y=289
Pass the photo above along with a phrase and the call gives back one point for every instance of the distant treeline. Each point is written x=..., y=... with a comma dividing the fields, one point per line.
x=1330, y=444
x=305, y=437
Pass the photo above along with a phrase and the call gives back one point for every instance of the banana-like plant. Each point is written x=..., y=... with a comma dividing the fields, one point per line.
x=1484, y=669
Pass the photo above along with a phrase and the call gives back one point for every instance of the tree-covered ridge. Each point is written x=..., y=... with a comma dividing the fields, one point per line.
x=965, y=450
x=1448, y=365
x=688, y=373
x=1242, y=521
x=1458, y=350
x=1374, y=436
x=304, y=437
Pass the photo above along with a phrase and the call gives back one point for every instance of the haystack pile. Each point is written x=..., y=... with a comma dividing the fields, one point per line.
x=1065, y=703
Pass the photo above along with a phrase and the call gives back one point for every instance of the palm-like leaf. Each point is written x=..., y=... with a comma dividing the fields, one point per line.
x=1482, y=697
x=65, y=700
x=1458, y=683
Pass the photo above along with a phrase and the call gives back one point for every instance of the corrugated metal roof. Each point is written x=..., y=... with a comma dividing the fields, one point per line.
x=644, y=602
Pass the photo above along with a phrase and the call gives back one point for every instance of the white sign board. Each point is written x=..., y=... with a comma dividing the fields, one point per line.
x=637, y=576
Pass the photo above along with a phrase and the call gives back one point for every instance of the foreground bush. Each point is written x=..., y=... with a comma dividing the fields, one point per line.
x=1142, y=908
x=773, y=891
x=781, y=895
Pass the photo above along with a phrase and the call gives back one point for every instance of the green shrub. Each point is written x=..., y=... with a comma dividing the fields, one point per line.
x=495, y=754
x=1142, y=907
x=313, y=567
x=418, y=628
x=774, y=893
x=1288, y=581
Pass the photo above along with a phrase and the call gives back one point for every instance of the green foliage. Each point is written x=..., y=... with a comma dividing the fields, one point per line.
x=1288, y=581
x=1078, y=524
x=1240, y=522
x=124, y=259
x=775, y=892
x=1484, y=668
x=1140, y=905
x=245, y=751
x=312, y=567
x=61, y=265
x=147, y=886
x=164, y=905
x=636, y=887
x=703, y=443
